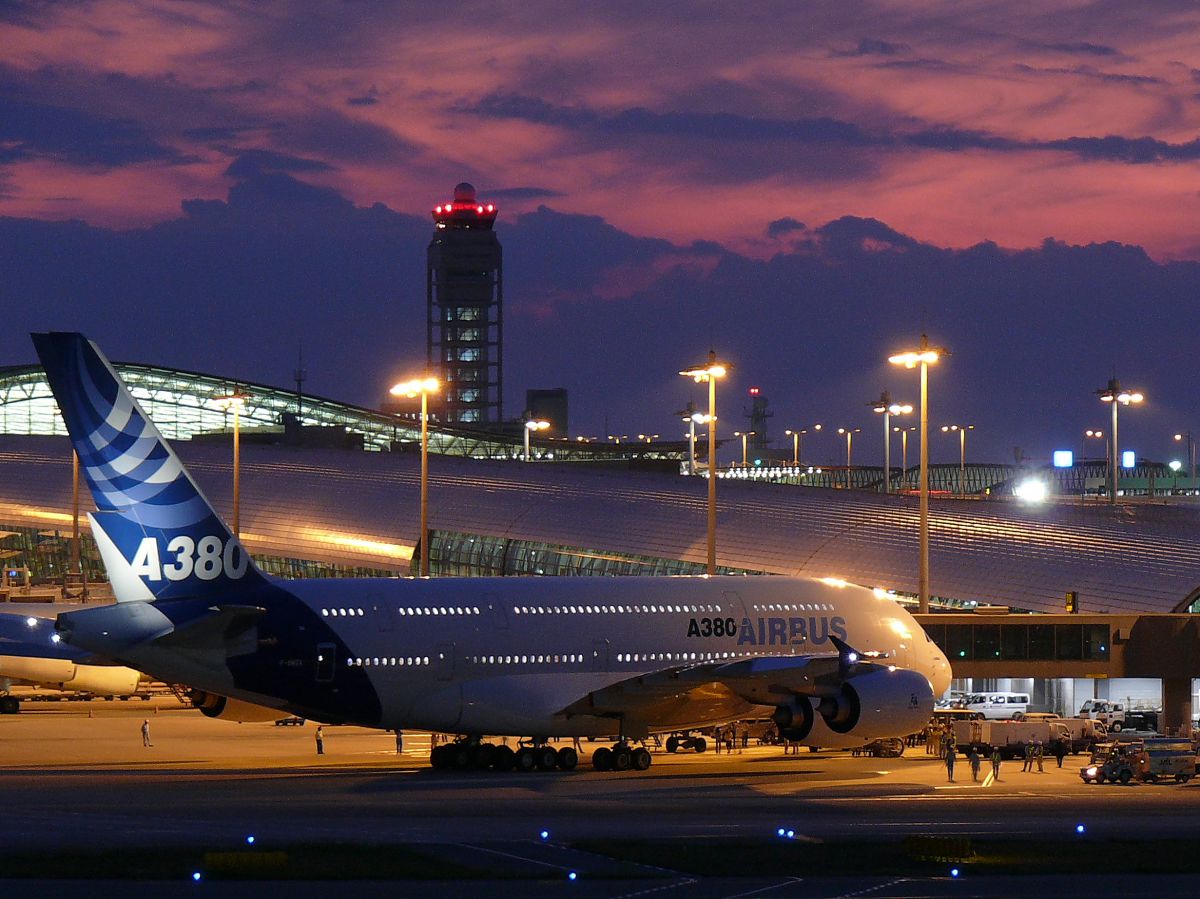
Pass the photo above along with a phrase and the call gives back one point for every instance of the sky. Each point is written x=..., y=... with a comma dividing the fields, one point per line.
x=805, y=188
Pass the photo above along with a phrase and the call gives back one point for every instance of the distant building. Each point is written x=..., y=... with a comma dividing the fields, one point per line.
x=465, y=310
x=549, y=404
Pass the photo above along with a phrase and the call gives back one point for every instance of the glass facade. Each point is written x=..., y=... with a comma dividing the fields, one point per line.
x=1022, y=642
x=472, y=555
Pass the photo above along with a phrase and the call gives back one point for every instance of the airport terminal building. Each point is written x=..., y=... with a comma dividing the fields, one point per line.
x=331, y=509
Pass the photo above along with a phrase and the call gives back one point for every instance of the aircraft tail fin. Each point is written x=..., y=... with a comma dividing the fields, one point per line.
x=158, y=535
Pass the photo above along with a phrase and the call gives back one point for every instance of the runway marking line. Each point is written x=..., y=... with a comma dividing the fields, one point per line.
x=878, y=886
x=758, y=891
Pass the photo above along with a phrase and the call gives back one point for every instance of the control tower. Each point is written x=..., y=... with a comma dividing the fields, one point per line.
x=465, y=309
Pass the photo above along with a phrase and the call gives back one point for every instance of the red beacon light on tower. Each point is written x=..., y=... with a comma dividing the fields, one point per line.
x=464, y=211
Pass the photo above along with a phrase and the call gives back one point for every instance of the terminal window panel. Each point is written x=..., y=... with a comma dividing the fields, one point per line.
x=1022, y=642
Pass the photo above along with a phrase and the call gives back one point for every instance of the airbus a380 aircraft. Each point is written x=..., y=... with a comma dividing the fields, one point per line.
x=528, y=657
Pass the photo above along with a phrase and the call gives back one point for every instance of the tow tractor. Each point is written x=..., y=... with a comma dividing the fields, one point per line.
x=1149, y=760
x=1111, y=762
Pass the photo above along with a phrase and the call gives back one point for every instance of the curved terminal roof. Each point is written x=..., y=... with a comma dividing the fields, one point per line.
x=361, y=509
x=183, y=404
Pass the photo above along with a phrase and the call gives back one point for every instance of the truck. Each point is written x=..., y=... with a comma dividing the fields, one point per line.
x=1150, y=760
x=1011, y=737
x=1111, y=713
x=1085, y=732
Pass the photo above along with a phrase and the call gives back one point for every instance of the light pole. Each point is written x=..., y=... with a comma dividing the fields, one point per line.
x=849, y=432
x=709, y=372
x=235, y=403
x=744, y=435
x=411, y=389
x=885, y=406
x=532, y=425
x=1187, y=435
x=904, y=448
x=797, y=436
x=1115, y=395
x=962, y=453
x=696, y=418
x=923, y=356
x=1175, y=465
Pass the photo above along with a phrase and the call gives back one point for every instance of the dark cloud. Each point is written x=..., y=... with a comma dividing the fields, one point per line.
x=1085, y=48
x=43, y=131
x=522, y=193
x=250, y=162
x=820, y=131
x=227, y=132
x=1089, y=72
x=874, y=47
x=370, y=98
x=782, y=226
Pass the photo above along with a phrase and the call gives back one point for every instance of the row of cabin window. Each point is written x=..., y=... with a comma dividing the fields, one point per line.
x=456, y=610
x=398, y=662
x=679, y=656
x=793, y=607
x=610, y=610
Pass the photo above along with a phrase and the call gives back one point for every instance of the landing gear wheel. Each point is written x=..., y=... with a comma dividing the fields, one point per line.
x=547, y=758
x=672, y=744
x=439, y=758
x=461, y=756
x=602, y=759
x=526, y=760
x=485, y=756
x=1126, y=776
x=700, y=745
x=641, y=759
x=622, y=757
x=503, y=759
x=567, y=759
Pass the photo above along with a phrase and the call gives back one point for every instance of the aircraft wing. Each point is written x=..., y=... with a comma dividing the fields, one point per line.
x=31, y=652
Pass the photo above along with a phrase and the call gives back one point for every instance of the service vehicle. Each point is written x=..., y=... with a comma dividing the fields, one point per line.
x=1010, y=737
x=1111, y=763
x=1111, y=713
x=1085, y=732
x=1166, y=758
x=999, y=704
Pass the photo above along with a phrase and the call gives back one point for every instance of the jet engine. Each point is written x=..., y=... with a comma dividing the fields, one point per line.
x=213, y=705
x=882, y=702
x=62, y=674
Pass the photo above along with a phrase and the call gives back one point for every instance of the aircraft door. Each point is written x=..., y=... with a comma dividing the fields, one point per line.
x=496, y=610
x=326, y=662
x=599, y=655
x=444, y=657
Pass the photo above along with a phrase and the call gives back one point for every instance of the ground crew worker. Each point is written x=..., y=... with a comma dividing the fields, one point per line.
x=320, y=736
x=995, y=764
x=1060, y=752
x=951, y=751
x=146, y=733
x=1028, y=766
x=975, y=760
x=1039, y=752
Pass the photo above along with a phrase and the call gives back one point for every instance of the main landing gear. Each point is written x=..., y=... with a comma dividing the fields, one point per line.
x=472, y=755
x=621, y=757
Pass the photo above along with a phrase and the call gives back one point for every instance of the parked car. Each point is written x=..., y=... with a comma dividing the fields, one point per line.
x=289, y=721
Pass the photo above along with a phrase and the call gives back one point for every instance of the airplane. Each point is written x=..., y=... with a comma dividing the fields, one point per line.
x=32, y=653
x=834, y=665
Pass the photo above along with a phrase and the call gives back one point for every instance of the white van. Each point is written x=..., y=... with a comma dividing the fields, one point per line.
x=998, y=704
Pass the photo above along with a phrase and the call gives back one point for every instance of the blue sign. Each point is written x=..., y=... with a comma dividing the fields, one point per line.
x=1064, y=458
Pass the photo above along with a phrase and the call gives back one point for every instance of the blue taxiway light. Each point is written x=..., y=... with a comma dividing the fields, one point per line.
x=954, y=872
x=572, y=876
x=1079, y=828
x=545, y=834
x=196, y=875
x=250, y=840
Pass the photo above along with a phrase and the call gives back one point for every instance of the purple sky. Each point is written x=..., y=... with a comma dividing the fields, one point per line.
x=805, y=186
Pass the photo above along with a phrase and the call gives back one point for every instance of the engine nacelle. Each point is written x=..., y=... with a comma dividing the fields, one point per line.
x=795, y=720
x=213, y=705
x=881, y=703
x=104, y=680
